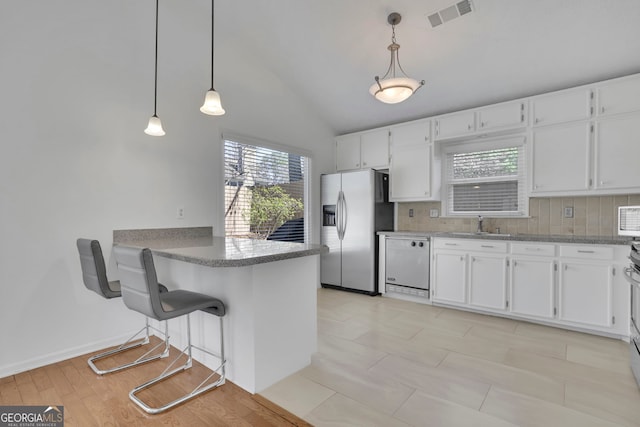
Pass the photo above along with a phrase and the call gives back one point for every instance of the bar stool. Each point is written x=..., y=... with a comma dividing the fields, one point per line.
x=140, y=293
x=94, y=276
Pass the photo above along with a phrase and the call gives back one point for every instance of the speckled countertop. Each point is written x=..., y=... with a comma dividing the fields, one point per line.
x=596, y=240
x=196, y=245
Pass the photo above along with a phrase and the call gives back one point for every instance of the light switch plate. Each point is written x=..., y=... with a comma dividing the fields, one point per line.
x=433, y=213
x=410, y=213
x=568, y=212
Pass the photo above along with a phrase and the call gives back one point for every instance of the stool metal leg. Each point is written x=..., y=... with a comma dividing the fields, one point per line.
x=201, y=388
x=128, y=345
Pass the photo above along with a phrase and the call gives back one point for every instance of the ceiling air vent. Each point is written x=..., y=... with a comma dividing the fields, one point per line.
x=448, y=13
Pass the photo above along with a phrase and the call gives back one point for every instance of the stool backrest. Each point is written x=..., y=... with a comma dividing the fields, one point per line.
x=138, y=281
x=94, y=272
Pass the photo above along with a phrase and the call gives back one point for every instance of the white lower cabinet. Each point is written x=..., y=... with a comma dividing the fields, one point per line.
x=488, y=281
x=572, y=286
x=532, y=287
x=585, y=293
x=450, y=277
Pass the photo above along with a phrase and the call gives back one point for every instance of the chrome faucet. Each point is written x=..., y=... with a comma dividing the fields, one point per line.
x=479, y=224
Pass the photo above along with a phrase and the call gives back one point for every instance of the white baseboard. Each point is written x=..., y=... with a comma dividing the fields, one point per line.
x=47, y=359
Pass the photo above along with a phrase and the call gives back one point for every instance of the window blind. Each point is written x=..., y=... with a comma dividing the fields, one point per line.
x=486, y=181
x=264, y=192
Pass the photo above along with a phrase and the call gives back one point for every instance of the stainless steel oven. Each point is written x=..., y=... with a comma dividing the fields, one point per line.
x=632, y=273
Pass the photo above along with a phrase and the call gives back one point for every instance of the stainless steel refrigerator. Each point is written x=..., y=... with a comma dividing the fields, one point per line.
x=355, y=205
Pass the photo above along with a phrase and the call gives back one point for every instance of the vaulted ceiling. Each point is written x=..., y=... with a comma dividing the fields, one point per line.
x=329, y=51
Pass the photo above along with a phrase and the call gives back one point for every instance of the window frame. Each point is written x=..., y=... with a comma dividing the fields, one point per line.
x=258, y=142
x=486, y=145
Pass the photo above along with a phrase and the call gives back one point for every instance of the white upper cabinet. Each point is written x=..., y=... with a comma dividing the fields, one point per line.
x=374, y=149
x=363, y=150
x=619, y=96
x=617, y=150
x=502, y=116
x=560, y=159
x=348, y=152
x=455, y=125
x=559, y=107
x=477, y=122
x=411, y=168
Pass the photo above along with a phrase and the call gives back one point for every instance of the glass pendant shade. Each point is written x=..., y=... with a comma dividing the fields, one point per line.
x=391, y=89
x=394, y=90
x=154, y=128
x=212, y=105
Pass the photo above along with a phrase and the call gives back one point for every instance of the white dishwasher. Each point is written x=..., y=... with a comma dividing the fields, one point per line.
x=407, y=265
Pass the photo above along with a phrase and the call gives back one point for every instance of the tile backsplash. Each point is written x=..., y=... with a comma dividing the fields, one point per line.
x=592, y=216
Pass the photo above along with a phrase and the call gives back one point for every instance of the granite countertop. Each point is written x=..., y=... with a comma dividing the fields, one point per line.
x=597, y=240
x=195, y=246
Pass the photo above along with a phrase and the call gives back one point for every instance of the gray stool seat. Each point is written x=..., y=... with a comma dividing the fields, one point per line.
x=139, y=286
x=94, y=276
x=178, y=303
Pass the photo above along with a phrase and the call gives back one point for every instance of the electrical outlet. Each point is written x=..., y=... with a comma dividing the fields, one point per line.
x=433, y=213
x=410, y=213
x=180, y=212
x=568, y=212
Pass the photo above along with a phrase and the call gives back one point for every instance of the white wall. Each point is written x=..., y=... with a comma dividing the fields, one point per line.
x=76, y=91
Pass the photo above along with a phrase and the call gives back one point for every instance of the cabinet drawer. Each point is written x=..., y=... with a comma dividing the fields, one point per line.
x=482, y=245
x=456, y=244
x=587, y=252
x=533, y=249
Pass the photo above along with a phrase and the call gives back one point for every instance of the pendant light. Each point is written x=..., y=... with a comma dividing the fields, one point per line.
x=394, y=87
x=154, y=128
x=212, y=104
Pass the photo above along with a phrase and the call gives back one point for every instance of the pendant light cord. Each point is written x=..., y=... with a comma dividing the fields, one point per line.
x=155, y=89
x=212, y=41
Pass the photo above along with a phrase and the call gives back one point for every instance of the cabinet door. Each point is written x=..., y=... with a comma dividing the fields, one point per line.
x=487, y=281
x=585, y=293
x=454, y=125
x=374, y=149
x=411, y=159
x=449, y=277
x=502, y=116
x=532, y=287
x=620, y=96
x=561, y=158
x=561, y=107
x=617, y=150
x=348, y=152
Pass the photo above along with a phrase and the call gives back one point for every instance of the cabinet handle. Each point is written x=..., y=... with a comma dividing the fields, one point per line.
x=602, y=110
x=532, y=249
x=487, y=246
x=515, y=263
x=580, y=251
x=461, y=258
x=364, y=163
x=451, y=244
x=473, y=259
x=481, y=124
x=537, y=120
x=468, y=127
x=357, y=165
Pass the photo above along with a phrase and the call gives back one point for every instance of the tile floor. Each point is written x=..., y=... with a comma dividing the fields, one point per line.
x=386, y=362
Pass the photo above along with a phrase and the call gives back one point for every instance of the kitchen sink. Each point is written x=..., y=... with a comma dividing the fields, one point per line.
x=478, y=233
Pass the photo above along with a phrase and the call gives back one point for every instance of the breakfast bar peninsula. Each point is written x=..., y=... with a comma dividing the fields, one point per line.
x=268, y=287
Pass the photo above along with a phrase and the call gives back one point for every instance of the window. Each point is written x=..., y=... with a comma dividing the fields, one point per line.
x=486, y=178
x=264, y=192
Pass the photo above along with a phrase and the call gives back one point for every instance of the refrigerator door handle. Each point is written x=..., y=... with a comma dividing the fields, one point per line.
x=345, y=215
x=339, y=215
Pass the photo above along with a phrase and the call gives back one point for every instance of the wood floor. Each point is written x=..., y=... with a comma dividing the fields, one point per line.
x=385, y=362
x=93, y=400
